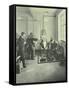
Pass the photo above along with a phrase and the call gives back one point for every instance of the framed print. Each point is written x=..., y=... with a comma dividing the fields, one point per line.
x=37, y=44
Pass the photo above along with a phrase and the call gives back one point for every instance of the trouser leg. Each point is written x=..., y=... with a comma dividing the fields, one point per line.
x=28, y=53
x=22, y=58
x=23, y=61
x=32, y=56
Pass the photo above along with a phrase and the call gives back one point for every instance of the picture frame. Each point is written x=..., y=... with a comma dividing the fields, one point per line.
x=45, y=22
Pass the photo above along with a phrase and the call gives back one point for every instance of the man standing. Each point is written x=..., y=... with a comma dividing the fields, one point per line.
x=21, y=51
x=31, y=46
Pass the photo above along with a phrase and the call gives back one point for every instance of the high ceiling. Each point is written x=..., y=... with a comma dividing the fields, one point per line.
x=45, y=11
x=35, y=12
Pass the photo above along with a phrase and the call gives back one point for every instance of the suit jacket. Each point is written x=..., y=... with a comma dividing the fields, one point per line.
x=41, y=44
x=20, y=44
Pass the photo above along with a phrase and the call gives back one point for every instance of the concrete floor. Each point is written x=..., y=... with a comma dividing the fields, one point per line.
x=41, y=72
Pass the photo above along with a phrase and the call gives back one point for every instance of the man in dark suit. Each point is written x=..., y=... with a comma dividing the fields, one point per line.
x=41, y=44
x=30, y=46
x=21, y=51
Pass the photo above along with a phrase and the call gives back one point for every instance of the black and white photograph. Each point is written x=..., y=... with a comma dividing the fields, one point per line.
x=41, y=44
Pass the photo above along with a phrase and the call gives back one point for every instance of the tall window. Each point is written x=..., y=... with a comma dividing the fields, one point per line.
x=62, y=26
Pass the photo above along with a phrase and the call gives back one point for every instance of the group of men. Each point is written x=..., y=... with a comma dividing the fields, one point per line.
x=25, y=47
x=53, y=50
